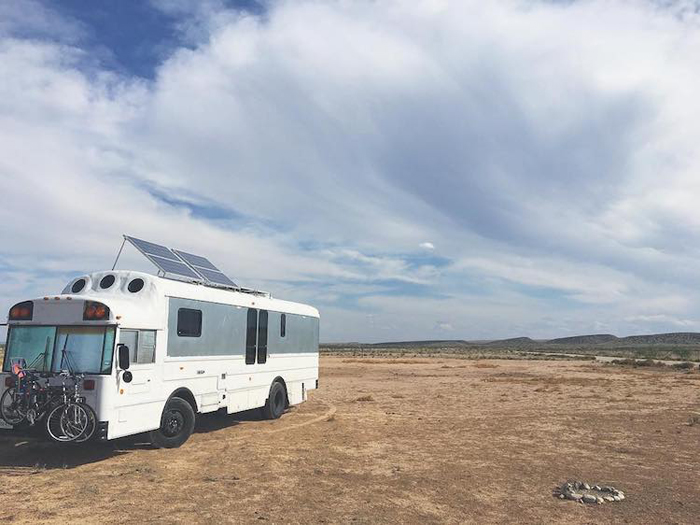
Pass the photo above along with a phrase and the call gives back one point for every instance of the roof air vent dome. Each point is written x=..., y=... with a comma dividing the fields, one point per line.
x=107, y=281
x=78, y=286
x=136, y=285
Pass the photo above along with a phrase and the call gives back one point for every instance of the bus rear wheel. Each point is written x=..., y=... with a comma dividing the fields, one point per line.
x=176, y=424
x=276, y=402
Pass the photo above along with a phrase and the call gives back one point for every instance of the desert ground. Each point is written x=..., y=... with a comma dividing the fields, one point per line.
x=396, y=440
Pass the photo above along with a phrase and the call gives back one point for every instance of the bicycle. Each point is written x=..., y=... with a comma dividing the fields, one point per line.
x=71, y=420
x=28, y=400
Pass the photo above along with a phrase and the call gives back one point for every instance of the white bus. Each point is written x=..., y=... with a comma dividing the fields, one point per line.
x=156, y=351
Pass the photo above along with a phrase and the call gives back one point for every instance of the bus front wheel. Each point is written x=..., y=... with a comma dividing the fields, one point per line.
x=176, y=424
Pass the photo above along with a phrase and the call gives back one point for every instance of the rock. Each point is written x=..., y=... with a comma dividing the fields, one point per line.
x=600, y=500
x=589, y=498
x=575, y=496
x=596, y=487
x=561, y=496
x=586, y=486
x=609, y=499
x=621, y=496
x=616, y=498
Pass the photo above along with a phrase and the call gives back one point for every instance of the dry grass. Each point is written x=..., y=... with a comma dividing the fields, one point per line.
x=445, y=449
x=485, y=365
x=546, y=380
x=363, y=399
x=646, y=363
x=387, y=361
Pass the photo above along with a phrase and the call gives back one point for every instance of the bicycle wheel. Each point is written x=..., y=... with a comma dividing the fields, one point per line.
x=54, y=426
x=91, y=424
x=12, y=408
x=77, y=422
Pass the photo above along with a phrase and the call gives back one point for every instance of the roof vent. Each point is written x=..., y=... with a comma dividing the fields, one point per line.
x=136, y=285
x=78, y=286
x=107, y=281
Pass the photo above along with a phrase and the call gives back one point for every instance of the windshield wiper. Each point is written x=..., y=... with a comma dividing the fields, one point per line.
x=41, y=356
x=65, y=358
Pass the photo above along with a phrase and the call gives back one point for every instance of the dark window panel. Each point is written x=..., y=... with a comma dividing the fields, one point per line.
x=262, y=336
x=189, y=322
x=251, y=336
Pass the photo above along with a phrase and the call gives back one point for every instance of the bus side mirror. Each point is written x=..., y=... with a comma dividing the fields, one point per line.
x=123, y=358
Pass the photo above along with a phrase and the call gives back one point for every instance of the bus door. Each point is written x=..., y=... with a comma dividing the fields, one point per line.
x=137, y=403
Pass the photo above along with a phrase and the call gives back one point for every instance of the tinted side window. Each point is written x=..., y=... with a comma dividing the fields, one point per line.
x=251, y=335
x=189, y=322
x=283, y=325
x=262, y=336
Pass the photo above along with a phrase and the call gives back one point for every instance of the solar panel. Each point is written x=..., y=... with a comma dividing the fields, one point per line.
x=216, y=277
x=176, y=267
x=164, y=259
x=196, y=260
x=210, y=273
x=183, y=264
x=149, y=248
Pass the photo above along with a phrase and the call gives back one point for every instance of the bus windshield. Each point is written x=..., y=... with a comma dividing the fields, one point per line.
x=79, y=349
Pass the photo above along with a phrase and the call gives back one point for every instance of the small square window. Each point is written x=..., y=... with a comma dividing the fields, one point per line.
x=147, y=347
x=189, y=322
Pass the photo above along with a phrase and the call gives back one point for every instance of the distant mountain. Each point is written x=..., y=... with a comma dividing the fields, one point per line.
x=594, y=339
x=421, y=344
x=513, y=341
x=675, y=338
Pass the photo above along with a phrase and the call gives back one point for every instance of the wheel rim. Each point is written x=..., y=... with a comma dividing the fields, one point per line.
x=173, y=423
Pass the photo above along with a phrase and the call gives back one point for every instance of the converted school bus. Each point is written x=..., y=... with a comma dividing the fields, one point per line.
x=192, y=348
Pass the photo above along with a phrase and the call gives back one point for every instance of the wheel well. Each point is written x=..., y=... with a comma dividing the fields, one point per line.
x=185, y=394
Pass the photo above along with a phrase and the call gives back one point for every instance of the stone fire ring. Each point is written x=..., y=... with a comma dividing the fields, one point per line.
x=585, y=493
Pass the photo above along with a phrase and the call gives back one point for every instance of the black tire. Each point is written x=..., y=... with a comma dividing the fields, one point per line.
x=276, y=401
x=176, y=424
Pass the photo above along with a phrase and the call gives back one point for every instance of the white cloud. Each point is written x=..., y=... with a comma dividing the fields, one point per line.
x=664, y=320
x=548, y=149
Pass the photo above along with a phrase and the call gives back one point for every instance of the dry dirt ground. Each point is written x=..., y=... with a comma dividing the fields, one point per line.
x=400, y=441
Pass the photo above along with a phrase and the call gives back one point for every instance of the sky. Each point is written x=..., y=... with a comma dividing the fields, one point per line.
x=415, y=169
